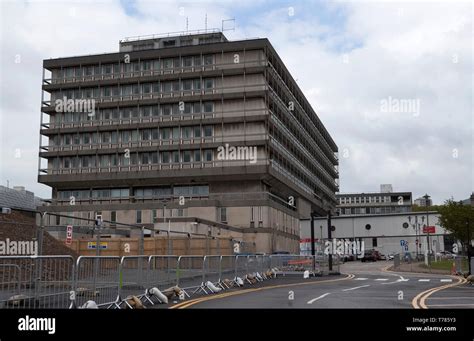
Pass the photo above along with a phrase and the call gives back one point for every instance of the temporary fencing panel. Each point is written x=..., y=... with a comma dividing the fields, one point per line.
x=97, y=279
x=36, y=281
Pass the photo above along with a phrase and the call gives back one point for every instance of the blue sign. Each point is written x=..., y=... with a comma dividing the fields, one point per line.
x=402, y=242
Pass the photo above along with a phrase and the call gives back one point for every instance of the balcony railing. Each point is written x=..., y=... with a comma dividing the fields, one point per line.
x=157, y=118
x=162, y=71
x=154, y=167
x=172, y=94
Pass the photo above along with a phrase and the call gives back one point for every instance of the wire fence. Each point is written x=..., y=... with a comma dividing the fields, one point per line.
x=60, y=282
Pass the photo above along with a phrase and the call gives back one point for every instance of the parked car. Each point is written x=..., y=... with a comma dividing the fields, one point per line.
x=445, y=254
x=348, y=258
x=382, y=257
x=369, y=256
x=390, y=256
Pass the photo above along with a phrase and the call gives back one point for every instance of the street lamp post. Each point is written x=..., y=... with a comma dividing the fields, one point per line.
x=427, y=197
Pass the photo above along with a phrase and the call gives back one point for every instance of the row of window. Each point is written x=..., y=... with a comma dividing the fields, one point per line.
x=114, y=160
x=373, y=210
x=148, y=192
x=135, y=66
x=127, y=113
x=364, y=200
x=126, y=136
x=195, y=84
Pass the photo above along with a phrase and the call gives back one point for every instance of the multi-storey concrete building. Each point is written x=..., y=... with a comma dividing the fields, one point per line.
x=383, y=202
x=157, y=148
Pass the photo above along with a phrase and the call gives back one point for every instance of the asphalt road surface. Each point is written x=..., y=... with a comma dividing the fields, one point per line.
x=362, y=285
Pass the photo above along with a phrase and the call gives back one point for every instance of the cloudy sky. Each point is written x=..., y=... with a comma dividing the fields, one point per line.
x=391, y=81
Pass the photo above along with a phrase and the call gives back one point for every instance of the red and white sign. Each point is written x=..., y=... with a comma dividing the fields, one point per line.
x=69, y=235
x=308, y=240
x=429, y=229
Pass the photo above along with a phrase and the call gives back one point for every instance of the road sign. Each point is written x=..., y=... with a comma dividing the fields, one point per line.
x=92, y=245
x=402, y=242
x=69, y=235
x=429, y=229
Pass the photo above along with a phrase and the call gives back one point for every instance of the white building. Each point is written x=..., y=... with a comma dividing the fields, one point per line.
x=387, y=233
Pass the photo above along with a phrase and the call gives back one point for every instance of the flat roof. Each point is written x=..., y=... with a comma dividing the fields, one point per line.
x=373, y=215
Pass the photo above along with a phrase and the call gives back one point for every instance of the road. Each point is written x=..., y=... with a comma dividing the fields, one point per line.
x=362, y=285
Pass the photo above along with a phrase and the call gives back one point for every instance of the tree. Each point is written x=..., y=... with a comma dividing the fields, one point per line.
x=459, y=220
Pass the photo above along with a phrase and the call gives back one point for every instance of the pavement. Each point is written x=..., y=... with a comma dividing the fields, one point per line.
x=360, y=286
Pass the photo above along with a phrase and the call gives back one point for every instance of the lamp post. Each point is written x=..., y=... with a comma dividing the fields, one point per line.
x=469, y=245
x=427, y=199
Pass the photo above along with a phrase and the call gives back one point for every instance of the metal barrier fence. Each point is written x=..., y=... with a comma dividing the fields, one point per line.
x=59, y=282
x=36, y=281
x=98, y=279
x=410, y=261
x=162, y=271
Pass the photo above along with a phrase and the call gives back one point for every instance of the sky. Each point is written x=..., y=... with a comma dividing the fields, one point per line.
x=391, y=81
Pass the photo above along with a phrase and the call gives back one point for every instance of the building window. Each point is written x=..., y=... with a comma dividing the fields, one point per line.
x=368, y=227
x=222, y=214
x=207, y=155
x=197, y=156
x=209, y=59
x=175, y=133
x=187, y=156
x=175, y=156
x=197, y=131
x=374, y=242
x=208, y=83
x=186, y=131
x=207, y=131
x=187, y=84
x=154, y=216
x=187, y=61
x=165, y=157
x=139, y=217
x=208, y=107
x=113, y=216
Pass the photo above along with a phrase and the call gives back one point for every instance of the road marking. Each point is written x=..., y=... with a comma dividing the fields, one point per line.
x=445, y=280
x=451, y=298
x=360, y=279
x=382, y=279
x=418, y=302
x=362, y=286
x=318, y=298
x=452, y=305
x=187, y=304
x=423, y=280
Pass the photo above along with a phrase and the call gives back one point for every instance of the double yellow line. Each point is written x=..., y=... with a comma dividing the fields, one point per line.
x=419, y=300
x=187, y=304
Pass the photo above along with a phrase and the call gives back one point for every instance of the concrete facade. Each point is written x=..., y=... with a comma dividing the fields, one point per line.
x=149, y=154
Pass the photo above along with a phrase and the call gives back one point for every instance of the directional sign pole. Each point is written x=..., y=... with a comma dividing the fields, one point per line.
x=329, y=238
x=313, y=250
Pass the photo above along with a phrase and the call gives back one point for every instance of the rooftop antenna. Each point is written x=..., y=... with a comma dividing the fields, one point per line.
x=228, y=29
x=205, y=22
x=187, y=24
